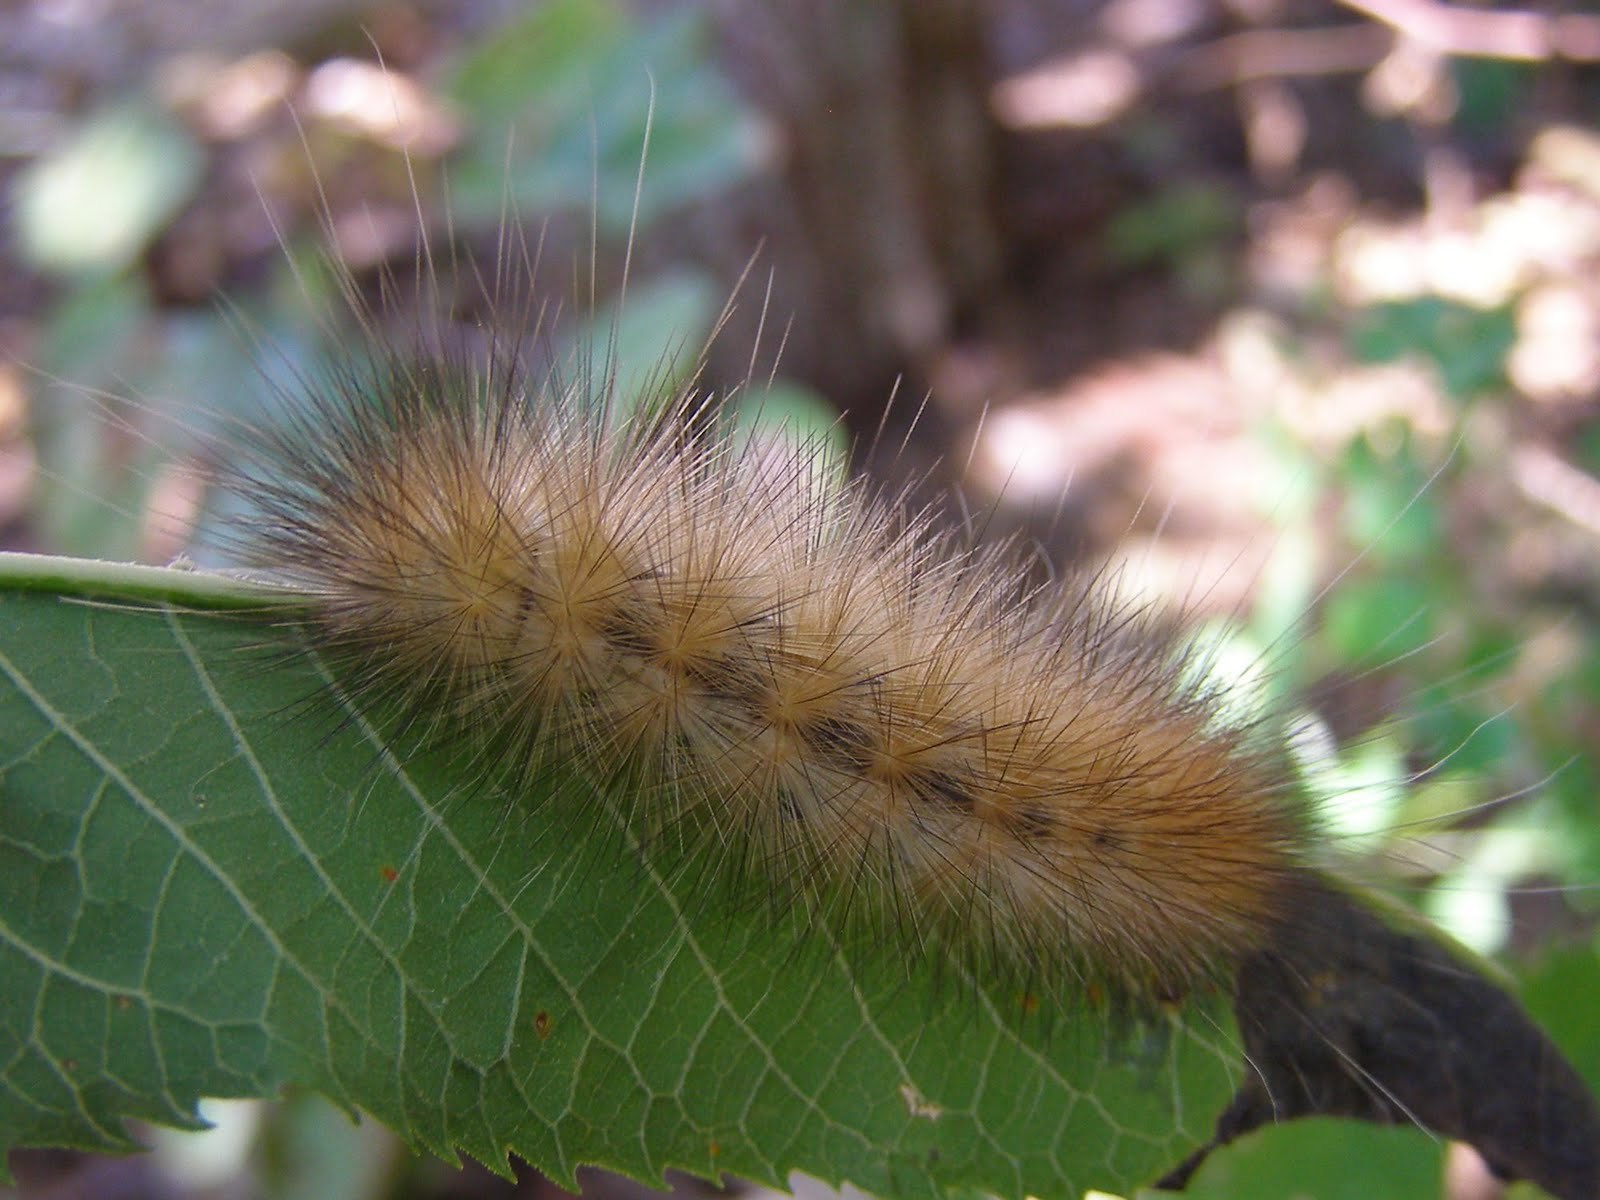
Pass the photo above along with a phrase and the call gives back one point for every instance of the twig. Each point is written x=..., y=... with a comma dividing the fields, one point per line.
x=1277, y=53
x=1512, y=34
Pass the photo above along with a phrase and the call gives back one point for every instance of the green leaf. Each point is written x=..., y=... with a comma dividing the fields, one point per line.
x=1380, y=620
x=1467, y=346
x=1174, y=224
x=84, y=507
x=105, y=438
x=1392, y=511
x=575, y=89
x=1561, y=989
x=209, y=887
x=93, y=204
x=1492, y=94
x=1321, y=1159
x=642, y=351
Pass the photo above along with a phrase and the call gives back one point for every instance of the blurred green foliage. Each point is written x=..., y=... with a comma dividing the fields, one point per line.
x=97, y=201
x=1475, y=785
x=557, y=106
x=563, y=98
x=1467, y=346
x=1186, y=229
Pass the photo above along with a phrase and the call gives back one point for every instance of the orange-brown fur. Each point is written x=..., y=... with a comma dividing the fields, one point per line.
x=798, y=674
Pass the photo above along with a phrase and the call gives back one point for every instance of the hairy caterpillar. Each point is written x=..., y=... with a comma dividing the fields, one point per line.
x=804, y=681
x=793, y=683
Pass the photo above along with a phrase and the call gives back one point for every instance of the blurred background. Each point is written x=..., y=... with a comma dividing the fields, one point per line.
x=1282, y=313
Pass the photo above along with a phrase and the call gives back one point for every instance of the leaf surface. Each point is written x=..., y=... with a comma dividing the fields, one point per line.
x=209, y=887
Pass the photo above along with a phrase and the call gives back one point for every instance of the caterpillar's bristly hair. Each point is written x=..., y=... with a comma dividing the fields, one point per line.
x=796, y=676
